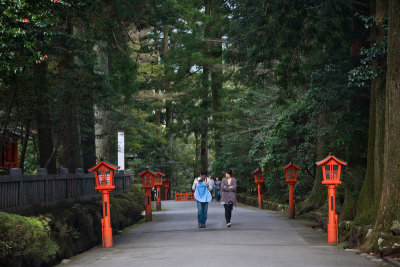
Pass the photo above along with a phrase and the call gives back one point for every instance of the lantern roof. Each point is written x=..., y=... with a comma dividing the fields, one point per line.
x=292, y=166
x=256, y=171
x=147, y=171
x=159, y=173
x=329, y=158
x=103, y=163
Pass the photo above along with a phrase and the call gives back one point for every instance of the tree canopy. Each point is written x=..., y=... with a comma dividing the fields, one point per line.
x=214, y=85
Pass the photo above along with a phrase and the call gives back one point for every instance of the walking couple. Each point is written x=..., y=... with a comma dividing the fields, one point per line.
x=202, y=187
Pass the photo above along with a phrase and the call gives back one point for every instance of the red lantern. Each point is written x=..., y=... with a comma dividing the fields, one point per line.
x=104, y=175
x=158, y=182
x=291, y=172
x=331, y=170
x=291, y=178
x=147, y=179
x=158, y=179
x=148, y=183
x=259, y=179
x=258, y=176
x=166, y=185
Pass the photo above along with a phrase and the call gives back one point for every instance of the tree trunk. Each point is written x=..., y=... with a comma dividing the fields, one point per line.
x=88, y=133
x=71, y=149
x=368, y=200
x=196, y=171
x=318, y=194
x=204, y=117
x=204, y=121
x=389, y=207
x=215, y=46
x=5, y=120
x=204, y=148
x=103, y=131
x=157, y=115
x=45, y=136
x=168, y=104
x=161, y=50
x=24, y=144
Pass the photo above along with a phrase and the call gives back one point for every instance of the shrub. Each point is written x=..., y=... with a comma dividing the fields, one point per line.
x=25, y=240
x=62, y=232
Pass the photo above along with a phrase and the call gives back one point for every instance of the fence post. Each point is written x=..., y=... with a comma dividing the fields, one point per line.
x=128, y=178
x=44, y=172
x=18, y=172
x=80, y=172
x=64, y=172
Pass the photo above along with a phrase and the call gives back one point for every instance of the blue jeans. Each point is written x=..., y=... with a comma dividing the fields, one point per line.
x=202, y=208
x=218, y=194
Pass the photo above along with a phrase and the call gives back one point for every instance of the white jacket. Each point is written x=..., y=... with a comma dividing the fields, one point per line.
x=207, y=180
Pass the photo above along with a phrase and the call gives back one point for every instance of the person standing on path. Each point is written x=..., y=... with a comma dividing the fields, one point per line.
x=228, y=199
x=202, y=187
x=217, y=189
x=213, y=185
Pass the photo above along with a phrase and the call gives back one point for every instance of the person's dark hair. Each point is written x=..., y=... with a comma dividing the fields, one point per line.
x=203, y=172
x=229, y=171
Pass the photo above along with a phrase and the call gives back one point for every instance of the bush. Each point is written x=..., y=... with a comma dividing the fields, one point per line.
x=253, y=201
x=64, y=231
x=25, y=240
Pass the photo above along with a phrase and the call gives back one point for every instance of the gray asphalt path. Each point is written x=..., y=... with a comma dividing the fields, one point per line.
x=256, y=238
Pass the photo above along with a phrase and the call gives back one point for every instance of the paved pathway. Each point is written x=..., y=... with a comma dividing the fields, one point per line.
x=256, y=238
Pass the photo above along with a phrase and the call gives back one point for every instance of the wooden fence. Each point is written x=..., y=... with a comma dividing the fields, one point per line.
x=18, y=192
x=185, y=196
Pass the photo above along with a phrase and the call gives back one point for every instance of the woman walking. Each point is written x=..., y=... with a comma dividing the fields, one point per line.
x=228, y=198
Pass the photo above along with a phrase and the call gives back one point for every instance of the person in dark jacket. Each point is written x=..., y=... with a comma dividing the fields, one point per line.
x=228, y=199
x=217, y=189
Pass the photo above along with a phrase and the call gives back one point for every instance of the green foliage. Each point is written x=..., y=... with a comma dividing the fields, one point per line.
x=253, y=201
x=371, y=57
x=288, y=39
x=294, y=59
x=78, y=228
x=291, y=137
x=31, y=159
x=25, y=239
x=126, y=208
x=285, y=87
x=24, y=25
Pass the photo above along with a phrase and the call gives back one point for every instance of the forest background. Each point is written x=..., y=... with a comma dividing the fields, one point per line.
x=211, y=84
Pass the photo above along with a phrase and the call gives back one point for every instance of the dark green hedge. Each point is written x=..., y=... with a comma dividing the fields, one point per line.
x=253, y=201
x=59, y=233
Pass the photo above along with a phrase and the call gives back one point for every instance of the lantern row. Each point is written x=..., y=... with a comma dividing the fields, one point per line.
x=104, y=175
x=150, y=179
x=331, y=170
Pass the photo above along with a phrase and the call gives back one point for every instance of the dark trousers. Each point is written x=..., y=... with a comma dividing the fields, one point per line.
x=202, y=208
x=218, y=194
x=228, y=212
